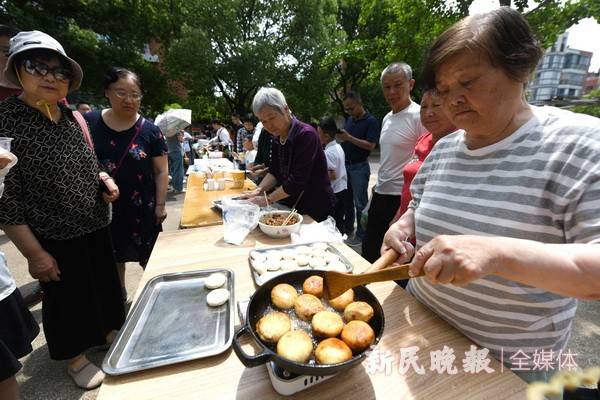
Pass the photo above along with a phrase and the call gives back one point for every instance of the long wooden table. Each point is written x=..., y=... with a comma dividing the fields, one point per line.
x=197, y=205
x=407, y=323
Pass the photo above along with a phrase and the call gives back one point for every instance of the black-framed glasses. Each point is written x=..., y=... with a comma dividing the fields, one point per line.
x=40, y=69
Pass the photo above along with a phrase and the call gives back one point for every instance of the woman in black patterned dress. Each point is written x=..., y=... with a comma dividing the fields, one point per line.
x=134, y=152
x=53, y=209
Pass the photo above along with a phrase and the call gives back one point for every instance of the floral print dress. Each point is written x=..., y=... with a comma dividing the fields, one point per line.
x=133, y=227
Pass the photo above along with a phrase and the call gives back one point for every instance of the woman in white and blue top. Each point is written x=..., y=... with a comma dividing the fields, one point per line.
x=18, y=328
x=505, y=210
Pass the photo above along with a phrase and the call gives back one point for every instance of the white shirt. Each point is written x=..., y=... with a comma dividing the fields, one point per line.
x=7, y=283
x=187, y=138
x=249, y=157
x=336, y=161
x=257, y=130
x=222, y=137
x=399, y=135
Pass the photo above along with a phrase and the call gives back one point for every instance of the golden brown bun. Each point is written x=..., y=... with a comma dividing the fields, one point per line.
x=332, y=351
x=273, y=326
x=358, y=335
x=283, y=296
x=307, y=305
x=296, y=346
x=358, y=310
x=340, y=302
x=327, y=324
x=313, y=285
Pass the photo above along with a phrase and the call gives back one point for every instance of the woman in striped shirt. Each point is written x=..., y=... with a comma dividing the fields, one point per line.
x=505, y=210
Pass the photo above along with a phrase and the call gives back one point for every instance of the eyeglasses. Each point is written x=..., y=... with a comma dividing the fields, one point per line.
x=121, y=94
x=40, y=69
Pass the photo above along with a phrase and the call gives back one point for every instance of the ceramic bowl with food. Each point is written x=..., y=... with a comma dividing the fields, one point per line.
x=270, y=223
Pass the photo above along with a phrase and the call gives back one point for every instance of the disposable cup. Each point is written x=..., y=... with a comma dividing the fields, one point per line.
x=5, y=143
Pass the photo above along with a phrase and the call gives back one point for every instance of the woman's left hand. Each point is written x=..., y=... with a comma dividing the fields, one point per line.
x=457, y=259
x=112, y=193
x=160, y=213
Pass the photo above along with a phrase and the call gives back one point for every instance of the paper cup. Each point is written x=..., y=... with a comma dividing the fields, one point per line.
x=238, y=179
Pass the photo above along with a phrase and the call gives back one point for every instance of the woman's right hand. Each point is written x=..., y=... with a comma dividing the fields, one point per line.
x=259, y=170
x=43, y=266
x=250, y=194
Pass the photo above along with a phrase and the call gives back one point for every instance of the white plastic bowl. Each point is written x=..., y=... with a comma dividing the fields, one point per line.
x=279, y=231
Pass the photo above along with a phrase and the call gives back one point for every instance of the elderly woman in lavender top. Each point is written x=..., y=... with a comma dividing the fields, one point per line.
x=298, y=168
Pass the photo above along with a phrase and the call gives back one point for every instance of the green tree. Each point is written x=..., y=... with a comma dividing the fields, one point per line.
x=93, y=36
x=590, y=109
x=252, y=43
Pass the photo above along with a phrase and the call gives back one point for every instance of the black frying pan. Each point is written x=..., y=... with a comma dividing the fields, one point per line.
x=261, y=300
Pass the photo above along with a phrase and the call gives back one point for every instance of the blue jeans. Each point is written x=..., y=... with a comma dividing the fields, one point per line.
x=176, y=170
x=358, y=182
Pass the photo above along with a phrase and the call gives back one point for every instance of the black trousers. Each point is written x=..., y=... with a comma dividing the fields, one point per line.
x=381, y=212
x=339, y=212
x=87, y=303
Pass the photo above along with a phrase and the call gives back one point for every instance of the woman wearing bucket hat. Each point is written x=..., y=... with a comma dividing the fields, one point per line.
x=53, y=208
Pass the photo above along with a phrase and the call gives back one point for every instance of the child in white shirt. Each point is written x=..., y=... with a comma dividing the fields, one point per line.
x=336, y=166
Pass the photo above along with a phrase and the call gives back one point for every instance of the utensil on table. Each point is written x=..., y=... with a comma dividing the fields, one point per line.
x=293, y=209
x=289, y=217
x=337, y=283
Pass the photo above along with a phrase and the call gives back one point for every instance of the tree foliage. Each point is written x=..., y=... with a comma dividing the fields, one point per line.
x=215, y=54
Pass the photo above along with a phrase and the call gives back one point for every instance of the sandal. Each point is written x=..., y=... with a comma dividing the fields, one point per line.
x=88, y=376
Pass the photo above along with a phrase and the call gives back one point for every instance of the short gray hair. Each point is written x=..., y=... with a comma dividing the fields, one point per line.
x=268, y=97
x=396, y=67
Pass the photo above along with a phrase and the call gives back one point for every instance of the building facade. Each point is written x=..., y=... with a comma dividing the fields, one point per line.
x=561, y=73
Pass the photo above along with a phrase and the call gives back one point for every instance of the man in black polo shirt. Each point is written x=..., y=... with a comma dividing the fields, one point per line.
x=359, y=136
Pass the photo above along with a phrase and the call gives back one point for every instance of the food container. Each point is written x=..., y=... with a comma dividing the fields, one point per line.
x=261, y=302
x=210, y=185
x=279, y=231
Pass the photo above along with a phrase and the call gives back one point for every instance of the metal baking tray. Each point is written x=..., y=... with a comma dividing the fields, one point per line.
x=171, y=323
x=256, y=277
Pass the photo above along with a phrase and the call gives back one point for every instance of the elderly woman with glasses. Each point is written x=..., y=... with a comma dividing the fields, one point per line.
x=53, y=208
x=297, y=164
x=505, y=210
x=133, y=151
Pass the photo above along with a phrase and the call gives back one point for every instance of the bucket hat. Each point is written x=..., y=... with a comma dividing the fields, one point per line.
x=30, y=40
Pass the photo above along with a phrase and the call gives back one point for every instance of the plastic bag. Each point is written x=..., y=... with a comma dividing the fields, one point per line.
x=324, y=231
x=240, y=217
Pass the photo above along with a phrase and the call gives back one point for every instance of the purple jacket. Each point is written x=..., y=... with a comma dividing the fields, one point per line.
x=300, y=165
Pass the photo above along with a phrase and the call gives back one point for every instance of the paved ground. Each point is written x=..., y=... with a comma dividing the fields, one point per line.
x=44, y=379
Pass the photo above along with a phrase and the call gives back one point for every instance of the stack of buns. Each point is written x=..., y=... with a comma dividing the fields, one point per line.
x=339, y=331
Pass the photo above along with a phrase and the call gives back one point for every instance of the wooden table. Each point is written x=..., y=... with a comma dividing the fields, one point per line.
x=197, y=205
x=407, y=323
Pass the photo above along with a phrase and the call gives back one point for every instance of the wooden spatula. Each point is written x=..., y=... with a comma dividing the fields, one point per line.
x=337, y=283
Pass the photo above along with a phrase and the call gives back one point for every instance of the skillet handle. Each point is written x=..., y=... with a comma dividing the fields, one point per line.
x=246, y=359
